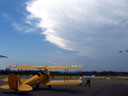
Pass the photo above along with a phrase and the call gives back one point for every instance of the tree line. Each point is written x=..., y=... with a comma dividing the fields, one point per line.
x=78, y=73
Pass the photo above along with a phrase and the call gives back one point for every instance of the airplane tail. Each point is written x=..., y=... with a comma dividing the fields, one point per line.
x=15, y=83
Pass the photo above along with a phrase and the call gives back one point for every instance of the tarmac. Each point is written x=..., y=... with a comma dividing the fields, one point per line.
x=98, y=88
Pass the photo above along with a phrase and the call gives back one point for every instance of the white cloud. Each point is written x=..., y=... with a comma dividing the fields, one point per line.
x=88, y=26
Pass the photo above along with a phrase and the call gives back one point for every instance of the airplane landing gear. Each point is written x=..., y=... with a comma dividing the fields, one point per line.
x=49, y=87
x=37, y=86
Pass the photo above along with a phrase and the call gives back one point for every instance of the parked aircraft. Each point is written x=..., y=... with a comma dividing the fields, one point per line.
x=18, y=84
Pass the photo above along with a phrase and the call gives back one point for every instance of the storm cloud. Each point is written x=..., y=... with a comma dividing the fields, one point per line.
x=91, y=27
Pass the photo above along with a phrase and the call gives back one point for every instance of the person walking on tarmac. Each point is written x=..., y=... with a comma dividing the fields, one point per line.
x=88, y=81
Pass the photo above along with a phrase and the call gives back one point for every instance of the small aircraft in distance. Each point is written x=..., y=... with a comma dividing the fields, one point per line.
x=1, y=56
x=17, y=84
x=123, y=51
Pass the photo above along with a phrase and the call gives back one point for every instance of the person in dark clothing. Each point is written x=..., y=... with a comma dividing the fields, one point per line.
x=88, y=81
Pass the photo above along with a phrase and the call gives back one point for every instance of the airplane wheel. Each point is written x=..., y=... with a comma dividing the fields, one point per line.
x=50, y=87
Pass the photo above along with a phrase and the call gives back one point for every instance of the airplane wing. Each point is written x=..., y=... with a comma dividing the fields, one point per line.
x=64, y=67
x=63, y=82
x=5, y=86
x=1, y=56
x=45, y=67
x=25, y=67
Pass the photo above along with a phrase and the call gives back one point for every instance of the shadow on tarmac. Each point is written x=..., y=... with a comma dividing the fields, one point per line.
x=18, y=93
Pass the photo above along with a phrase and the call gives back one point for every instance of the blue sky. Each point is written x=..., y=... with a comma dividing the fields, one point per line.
x=45, y=32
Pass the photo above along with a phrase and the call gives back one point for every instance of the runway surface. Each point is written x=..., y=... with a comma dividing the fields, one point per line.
x=98, y=88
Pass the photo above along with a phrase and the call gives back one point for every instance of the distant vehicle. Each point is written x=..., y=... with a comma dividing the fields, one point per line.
x=17, y=84
x=93, y=76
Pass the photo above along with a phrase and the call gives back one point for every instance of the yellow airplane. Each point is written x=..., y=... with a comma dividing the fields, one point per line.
x=17, y=84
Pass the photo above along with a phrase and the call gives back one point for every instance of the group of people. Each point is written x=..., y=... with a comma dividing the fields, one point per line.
x=86, y=82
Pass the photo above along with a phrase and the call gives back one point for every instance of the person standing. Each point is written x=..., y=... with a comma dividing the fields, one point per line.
x=81, y=78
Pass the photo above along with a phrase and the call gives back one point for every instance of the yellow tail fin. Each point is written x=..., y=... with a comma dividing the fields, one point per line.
x=15, y=83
